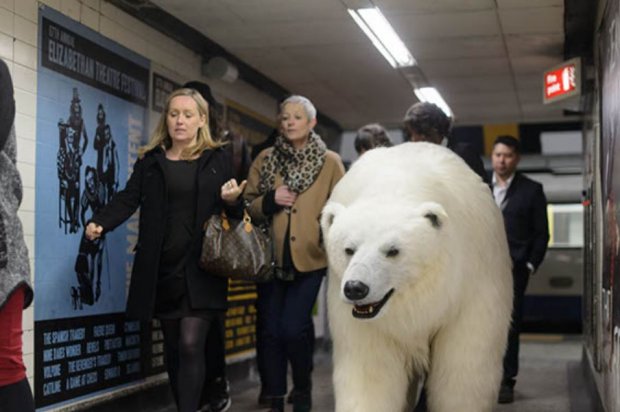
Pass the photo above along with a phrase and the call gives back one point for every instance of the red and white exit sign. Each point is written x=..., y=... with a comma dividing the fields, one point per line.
x=563, y=81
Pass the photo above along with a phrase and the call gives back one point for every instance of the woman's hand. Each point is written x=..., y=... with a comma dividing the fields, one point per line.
x=285, y=197
x=230, y=190
x=93, y=231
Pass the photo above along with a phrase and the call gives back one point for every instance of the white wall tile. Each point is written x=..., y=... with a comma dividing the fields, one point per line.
x=7, y=4
x=70, y=8
x=29, y=363
x=24, y=78
x=28, y=341
x=110, y=11
x=29, y=239
x=28, y=9
x=26, y=170
x=28, y=318
x=27, y=218
x=55, y=4
x=134, y=42
x=93, y=4
x=25, y=30
x=6, y=21
x=25, y=102
x=6, y=46
x=26, y=151
x=89, y=17
x=27, y=204
x=25, y=126
x=25, y=54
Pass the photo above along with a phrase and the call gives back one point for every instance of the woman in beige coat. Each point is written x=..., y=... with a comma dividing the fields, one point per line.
x=288, y=185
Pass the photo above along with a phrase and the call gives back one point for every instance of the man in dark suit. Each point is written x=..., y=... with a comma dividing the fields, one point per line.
x=426, y=122
x=524, y=208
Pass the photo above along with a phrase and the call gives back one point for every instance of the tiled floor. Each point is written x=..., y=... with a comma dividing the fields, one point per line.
x=549, y=381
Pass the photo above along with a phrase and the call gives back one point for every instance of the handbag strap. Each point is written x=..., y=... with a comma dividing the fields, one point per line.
x=247, y=221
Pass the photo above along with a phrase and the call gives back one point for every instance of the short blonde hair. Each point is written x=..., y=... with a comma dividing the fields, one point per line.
x=161, y=138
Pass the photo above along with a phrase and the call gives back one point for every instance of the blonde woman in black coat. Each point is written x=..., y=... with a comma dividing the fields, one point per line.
x=183, y=177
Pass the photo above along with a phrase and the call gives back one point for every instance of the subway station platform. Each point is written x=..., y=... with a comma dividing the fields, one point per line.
x=551, y=379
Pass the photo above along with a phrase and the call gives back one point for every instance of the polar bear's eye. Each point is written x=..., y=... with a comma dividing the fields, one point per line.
x=392, y=252
x=434, y=219
x=349, y=251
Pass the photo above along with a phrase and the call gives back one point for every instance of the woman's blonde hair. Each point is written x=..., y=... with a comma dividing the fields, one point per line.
x=161, y=138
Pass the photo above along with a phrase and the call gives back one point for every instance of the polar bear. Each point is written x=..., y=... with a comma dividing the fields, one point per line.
x=420, y=282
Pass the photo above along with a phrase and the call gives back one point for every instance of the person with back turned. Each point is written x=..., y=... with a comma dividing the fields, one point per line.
x=426, y=122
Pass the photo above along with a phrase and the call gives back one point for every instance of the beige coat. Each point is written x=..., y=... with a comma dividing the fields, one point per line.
x=305, y=238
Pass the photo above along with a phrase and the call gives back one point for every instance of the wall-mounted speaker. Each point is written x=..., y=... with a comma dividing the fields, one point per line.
x=221, y=69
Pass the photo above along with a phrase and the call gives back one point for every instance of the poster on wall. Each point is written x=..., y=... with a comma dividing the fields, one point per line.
x=162, y=88
x=609, y=64
x=92, y=101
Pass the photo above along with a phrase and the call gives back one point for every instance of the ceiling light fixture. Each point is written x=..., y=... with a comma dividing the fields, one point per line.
x=374, y=24
x=431, y=95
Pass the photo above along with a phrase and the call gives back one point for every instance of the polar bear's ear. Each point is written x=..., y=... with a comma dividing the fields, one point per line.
x=329, y=213
x=434, y=212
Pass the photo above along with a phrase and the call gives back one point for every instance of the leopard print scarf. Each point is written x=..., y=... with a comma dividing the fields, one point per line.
x=299, y=168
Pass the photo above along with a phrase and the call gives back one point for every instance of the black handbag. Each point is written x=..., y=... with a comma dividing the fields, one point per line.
x=237, y=249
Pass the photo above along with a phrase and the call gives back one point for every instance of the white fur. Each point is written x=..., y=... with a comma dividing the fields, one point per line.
x=449, y=314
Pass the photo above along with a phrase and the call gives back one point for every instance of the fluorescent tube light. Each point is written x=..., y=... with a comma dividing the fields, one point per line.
x=374, y=24
x=431, y=95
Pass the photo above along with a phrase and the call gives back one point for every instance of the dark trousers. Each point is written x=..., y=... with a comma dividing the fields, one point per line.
x=285, y=311
x=520, y=276
x=16, y=397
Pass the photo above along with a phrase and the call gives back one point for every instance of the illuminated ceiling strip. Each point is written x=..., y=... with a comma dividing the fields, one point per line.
x=374, y=25
x=431, y=95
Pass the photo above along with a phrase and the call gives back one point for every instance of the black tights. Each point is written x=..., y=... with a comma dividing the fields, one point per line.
x=184, y=341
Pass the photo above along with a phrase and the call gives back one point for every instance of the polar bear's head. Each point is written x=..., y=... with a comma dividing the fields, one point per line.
x=378, y=249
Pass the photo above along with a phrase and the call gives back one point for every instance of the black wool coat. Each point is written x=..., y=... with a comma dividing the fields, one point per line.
x=147, y=189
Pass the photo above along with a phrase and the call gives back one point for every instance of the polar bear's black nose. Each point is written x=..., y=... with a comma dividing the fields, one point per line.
x=355, y=290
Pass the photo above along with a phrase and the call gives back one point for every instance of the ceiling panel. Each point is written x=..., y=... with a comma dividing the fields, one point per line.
x=466, y=67
x=528, y=4
x=497, y=97
x=472, y=84
x=548, y=20
x=485, y=56
x=199, y=14
x=434, y=6
x=441, y=25
x=274, y=11
x=456, y=48
x=535, y=64
x=535, y=44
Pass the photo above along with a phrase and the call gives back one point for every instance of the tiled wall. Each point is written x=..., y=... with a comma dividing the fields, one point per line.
x=18, y=47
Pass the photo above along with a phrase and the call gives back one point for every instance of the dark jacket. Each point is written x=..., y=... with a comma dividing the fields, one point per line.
x=147, y=189
x=525, y=218
x=471, y=157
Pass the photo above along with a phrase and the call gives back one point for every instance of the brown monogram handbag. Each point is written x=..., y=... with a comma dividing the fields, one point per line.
x=236, y=249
